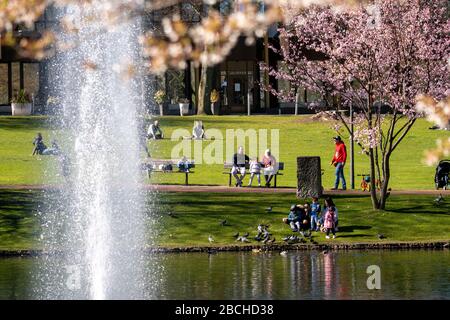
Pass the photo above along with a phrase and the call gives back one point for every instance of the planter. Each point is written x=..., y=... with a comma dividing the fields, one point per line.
x=161, y=110
x=184, y=108
x=21, y=109
x=215, y=108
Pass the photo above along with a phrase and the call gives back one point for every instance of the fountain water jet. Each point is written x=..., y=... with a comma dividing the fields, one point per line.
x=97, y=221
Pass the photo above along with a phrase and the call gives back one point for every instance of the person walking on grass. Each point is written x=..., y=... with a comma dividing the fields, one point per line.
x=240, y=160
x=339, y=159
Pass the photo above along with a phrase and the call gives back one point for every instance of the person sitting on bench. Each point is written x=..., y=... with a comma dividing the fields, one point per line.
x=39, y=145
x=270, y=166
x=198, y=131
x=240, y=159
x=154, y=131
x=184, y=164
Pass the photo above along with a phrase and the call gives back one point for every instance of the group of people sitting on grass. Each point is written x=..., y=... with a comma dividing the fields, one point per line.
x=267, y=166
x=307, y=217
x=155, y=132
x=41, y=149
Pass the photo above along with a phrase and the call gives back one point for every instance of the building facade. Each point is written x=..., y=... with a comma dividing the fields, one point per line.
x=238, y=78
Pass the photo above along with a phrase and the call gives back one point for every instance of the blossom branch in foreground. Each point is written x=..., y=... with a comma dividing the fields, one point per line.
x=439, y=113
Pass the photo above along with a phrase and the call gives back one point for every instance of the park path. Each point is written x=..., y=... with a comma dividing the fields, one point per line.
x=226, y=189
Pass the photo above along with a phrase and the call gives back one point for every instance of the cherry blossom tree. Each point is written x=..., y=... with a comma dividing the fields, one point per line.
x=374, y=57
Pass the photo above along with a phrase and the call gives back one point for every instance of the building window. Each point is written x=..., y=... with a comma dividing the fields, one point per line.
x=15, y=81
x=225, y=7
x=189, y=12
x=283, y=85
x=31, y=78
x=175, y=86
x=4, y=96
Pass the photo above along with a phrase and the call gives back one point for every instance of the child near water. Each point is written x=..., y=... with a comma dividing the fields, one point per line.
x=315, y=214
x=329, y=222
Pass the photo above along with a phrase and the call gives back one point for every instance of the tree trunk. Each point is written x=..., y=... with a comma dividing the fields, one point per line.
x=385, y=185
x=201, y=91
x=373, y=188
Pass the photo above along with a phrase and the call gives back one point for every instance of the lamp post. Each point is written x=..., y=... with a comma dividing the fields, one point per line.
x=352, y=150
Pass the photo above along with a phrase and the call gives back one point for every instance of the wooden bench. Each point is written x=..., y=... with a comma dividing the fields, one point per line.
x=228, y=165
x=153, y=165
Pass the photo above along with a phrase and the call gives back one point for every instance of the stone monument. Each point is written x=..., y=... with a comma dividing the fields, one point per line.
x=309, y=177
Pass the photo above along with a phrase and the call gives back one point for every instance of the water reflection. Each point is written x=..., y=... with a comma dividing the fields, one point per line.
x=298, y=275
x=306, y=275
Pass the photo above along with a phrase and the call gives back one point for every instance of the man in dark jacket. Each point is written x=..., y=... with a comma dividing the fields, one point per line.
x=240, y=160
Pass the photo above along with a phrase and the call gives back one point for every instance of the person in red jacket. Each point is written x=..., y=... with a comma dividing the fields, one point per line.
x=339, y=159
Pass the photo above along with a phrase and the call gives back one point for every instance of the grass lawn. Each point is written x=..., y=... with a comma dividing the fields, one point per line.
x=195, y=216
x=299, y=136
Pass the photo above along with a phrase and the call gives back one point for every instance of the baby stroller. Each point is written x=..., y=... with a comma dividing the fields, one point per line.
x=442, y=172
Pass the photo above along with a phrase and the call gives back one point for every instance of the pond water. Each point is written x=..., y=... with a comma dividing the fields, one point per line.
x=412, y=274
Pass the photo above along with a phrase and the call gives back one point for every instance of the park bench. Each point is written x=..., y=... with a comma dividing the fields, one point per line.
x=153, y=166
x=228, y=165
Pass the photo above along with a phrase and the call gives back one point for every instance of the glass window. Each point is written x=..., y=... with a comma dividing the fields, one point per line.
x=189, y=12
x=225, y=7
x=175, y=87
x=4, y=99
x=312, y=96
x=31, y=78
x=283, y=85
x=15, y=77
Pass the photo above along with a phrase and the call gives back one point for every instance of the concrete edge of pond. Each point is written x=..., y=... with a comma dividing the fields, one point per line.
x=263, y=248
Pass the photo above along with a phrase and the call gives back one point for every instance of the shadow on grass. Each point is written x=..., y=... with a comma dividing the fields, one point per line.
x=354, y=235
x=353, y=228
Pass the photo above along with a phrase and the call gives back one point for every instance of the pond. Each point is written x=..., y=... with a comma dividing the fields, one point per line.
x=412, y=274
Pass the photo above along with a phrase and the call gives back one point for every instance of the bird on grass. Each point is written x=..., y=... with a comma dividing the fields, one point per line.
x=439, y=199
x=269, y=209
x=381, y=236
x=223, y=223
x=242, y=239
x=210, y=239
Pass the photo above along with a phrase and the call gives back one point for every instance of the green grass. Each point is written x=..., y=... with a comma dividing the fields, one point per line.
x=408, y=218
x=195, y=216
x=17, y=166
x=299, y=136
